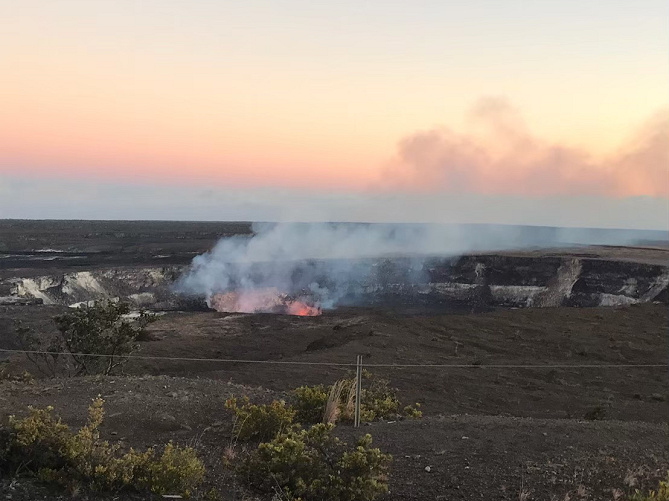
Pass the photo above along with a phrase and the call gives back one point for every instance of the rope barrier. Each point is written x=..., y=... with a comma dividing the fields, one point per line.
x=342, y=364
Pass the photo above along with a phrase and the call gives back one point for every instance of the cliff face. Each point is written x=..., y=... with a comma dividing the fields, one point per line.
x=485, y=281
x=553, y=281
x=143, y=287
x=471, y=282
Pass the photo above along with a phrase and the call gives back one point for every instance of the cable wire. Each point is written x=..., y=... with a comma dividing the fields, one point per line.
x=343, y=364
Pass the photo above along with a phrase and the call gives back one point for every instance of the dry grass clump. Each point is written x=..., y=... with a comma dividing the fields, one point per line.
x=340, y=402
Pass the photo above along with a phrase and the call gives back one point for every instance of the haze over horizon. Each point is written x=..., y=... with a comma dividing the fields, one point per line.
x=543, y=113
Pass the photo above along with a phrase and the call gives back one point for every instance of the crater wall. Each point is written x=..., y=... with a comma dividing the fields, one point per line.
x=469, y=282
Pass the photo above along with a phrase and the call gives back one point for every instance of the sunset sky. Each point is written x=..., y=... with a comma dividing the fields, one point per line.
x=541, y=112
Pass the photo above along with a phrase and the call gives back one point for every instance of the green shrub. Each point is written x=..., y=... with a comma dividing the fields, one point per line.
x=177, y=470
x=43, y=446
x=99, y=329
x=309, y=403
x=259, y=422
x=662, y=493
x=413, y=411
x=377, y=401
x=313, y=465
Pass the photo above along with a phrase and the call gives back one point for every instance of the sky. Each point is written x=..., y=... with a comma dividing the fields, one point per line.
x=501, y=111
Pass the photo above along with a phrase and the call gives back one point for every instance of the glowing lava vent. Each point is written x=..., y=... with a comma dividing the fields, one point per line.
x=267, y=300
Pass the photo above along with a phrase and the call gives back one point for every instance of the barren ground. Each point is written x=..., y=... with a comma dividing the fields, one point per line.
x=488, y=433
x=522, y=425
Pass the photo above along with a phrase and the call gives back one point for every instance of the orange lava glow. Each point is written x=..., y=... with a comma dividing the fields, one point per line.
x=265, y=300
x=302, y=309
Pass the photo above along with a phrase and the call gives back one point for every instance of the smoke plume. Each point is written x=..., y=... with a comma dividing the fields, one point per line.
x=301, y=268
x=500, y=155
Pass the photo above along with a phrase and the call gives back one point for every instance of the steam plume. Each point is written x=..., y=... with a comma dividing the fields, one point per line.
x=501, y=156
x=298, y=268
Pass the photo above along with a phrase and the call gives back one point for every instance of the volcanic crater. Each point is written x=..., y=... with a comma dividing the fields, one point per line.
x=503, y=351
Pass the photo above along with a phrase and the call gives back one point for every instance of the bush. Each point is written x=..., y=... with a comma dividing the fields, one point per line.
x=260, y=422
x=177, y=470
x=98, y=329
x=313, y=465
x=413, y=411
x=309, y=403
x=43, y=446
x=662, y=493
x=377, y=401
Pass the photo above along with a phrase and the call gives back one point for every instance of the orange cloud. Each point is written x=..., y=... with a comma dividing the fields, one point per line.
x=500, y=155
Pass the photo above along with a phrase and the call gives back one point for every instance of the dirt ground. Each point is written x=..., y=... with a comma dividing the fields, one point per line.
x=488, y=433
x=469, y=456
x=556, y=340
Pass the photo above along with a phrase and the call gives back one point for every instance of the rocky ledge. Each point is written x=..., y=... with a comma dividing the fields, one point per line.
x=471, y=281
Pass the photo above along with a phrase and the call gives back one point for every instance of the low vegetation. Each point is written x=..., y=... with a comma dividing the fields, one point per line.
x=313, y=465
x=378, y=400
x=661, y=494
x=309, y=403
x=258, y=422
x=24, y=377
x=101, y=329
x=42, y=446
x=316, y=404
x=286, y=460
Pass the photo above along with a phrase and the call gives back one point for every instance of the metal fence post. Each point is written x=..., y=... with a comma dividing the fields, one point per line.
x=358, y=387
